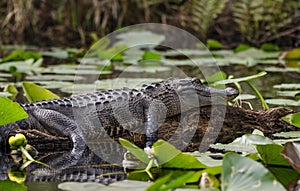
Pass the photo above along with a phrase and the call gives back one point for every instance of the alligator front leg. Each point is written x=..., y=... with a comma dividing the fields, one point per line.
x=155, y=114
x=58, y=124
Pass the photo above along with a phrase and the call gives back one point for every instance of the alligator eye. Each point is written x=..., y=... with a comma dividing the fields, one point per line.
x=196, y=81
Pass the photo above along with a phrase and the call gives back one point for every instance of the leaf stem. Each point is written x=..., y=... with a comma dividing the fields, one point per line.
x=262, y=100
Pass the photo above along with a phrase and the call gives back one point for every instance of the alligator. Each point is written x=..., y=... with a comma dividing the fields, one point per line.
x=80, y=117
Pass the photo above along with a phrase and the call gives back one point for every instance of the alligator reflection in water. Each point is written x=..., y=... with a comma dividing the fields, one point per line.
x=89, y=167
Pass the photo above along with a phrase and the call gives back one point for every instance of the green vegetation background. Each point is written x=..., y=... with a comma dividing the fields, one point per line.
x=78, y=23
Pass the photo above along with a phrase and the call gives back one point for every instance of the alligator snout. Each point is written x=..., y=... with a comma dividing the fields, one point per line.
x=231, y=93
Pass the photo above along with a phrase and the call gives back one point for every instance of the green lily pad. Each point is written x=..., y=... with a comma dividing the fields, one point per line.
x=270, y=154
x=244, y=144
x=135, y=150
x=163, y=183
x=281, y=70
x=268, y=47
x=283, y=102
x=134, y=38
x=174, y=158
x=148, y=55
x=124, y=82
x=291, y=93
x=287, y=86
x=241, y=173
x=60, y=54
x=146, y=67
x=293, y=55
x=257, y=54
x=293, y=119
x=213, y=44
x=7, y=185
x=54, y=77
x=187, y=52
x=290, y=134
x=26, y=66
x=242, y=47
x=126, y=185
x=37, y=93
x=10, y=111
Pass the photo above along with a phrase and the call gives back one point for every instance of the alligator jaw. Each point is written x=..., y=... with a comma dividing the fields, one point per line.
x=212, y=96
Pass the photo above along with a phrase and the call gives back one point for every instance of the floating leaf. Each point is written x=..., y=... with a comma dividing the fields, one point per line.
x=7, y=185
x=213, y=44
x=135, y=150
x=293, y=55
x=216, y=77
x=241, y=47
x=245, y=144
x=291, y=94
x=241, y=173
x=290, y=134
x=21, y=55
x=283, y=102
x=124, y=82
x=138, y=38
x=288, y=86
x=284, y=175
x=150, y=56
x=293, y=119
x=174, y=158
x=10, y=111
x=126, y=185
x=270, y=154
x=257, y=54
x=157, y=185
x=268, y=47
x=35, y=92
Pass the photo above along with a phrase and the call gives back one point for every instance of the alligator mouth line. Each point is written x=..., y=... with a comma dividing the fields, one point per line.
x=212, y=93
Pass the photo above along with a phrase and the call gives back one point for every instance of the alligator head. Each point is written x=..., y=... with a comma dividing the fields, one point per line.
x=190, y=92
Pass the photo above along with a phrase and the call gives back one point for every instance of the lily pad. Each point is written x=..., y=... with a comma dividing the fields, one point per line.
x=124, y=82
x=245, y=144
x=174, y=158
x=270, y=154
x=283, y=102
x=37, y=93
x=8, y=185
x=10, y=111
x=136, y=38
x=281, y=70
x=257, y=54
x=291, y=93
x=293, y=119
x=290, y=134
x=135, y=150
x=287, y=86
x=241, y=173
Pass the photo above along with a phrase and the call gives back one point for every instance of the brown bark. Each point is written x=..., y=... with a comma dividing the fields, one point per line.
x=197, y=129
